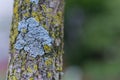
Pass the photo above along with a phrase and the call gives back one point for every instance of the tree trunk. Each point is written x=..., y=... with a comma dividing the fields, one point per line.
x=36, y=40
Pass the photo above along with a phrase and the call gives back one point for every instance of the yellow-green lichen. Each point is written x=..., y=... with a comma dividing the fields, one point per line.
x=13, y=78
x=30, y=70
x=35, y=67
x=27, y=14
x=48, y=61
x=47, y=48
x=36, y=16
x=27, y=1
x=31, y=78
x=49, y=74
x=44, y=7
x=59, y=69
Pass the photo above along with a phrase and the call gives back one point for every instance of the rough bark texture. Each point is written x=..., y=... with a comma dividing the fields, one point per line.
x=36, y=40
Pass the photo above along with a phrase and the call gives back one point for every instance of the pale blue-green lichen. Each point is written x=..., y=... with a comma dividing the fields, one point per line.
x=34, y=1
x=32, y=37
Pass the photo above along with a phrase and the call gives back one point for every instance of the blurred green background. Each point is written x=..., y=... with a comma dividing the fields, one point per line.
x=92, y=39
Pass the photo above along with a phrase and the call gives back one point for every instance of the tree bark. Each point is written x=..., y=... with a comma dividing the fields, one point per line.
x=36, y=40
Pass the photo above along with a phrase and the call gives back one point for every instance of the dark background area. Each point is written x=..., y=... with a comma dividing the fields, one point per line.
x=92, y=37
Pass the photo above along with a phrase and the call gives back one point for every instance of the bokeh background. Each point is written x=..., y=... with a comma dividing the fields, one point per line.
x=92, y=39
x=5, y=20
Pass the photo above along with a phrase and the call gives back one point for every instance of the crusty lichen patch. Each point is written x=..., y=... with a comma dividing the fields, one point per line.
x=33, y=38
x=34, y=1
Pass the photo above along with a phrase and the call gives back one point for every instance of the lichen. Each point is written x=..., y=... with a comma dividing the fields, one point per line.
x=33, y=38
x=48, y=61
x=34, y=1
x=49, y=74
